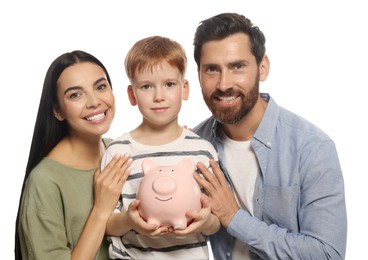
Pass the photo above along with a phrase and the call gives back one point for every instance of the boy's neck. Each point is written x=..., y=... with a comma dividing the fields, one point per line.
x=148, y=135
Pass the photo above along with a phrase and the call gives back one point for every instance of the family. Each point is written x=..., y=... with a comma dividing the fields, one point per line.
x=272, y=185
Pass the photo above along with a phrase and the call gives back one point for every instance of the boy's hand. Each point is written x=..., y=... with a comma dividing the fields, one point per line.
x=203, y=221
x=137, y=223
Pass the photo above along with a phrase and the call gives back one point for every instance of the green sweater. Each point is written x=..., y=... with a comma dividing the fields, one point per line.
x=56, y=203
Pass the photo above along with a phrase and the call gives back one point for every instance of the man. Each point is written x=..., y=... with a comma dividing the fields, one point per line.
x=286, y=194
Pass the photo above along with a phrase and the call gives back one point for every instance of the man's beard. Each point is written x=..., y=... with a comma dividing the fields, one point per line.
x=232, y=115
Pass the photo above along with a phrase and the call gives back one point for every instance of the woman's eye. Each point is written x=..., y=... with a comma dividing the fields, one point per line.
x=74, y=95
x=101, y=87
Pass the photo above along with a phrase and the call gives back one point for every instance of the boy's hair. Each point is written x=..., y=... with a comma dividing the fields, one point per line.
x=150, y=51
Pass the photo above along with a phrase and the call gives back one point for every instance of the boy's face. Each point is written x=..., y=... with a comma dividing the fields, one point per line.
x=159, y=93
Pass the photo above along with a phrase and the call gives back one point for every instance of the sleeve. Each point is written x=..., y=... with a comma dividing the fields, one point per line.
x=42, y=229
x=106, y=158
x=111, y=151
x=321, y=215
x=207, y=153
x=214, y=153
x=117, y=146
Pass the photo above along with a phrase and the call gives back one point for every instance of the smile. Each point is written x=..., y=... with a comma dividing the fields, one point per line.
x=163, y=199
x=96, y=117
x=226, y=99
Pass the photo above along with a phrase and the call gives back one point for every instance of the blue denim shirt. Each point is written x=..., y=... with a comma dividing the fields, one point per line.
x=299, y=201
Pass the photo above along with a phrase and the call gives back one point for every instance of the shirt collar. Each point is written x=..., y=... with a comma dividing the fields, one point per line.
x=268, y=123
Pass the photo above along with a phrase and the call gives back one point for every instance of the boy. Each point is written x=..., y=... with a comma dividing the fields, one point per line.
x=156, y=69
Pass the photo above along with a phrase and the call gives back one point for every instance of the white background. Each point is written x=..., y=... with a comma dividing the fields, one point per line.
x=318, y=53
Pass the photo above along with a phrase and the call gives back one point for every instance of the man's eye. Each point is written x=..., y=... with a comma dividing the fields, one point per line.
x=239, y=66
x=211, y=69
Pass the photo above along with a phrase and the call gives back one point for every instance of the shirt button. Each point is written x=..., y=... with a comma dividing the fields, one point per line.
x=228, y=254
x=269, y=143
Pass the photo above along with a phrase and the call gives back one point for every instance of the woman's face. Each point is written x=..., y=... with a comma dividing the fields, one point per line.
x=85, y=99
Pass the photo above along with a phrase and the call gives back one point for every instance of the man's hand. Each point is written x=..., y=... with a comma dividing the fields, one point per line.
x=221, y=197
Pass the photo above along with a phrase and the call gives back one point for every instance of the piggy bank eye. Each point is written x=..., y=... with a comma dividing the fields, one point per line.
x=172, y=170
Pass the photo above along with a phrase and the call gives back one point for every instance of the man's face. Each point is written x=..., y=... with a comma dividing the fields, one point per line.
x=229, y=78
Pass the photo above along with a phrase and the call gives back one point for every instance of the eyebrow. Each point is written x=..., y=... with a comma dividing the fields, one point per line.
x=72, y=88
x=79, y=87
x=233, y=63
x=209, y=65
x=229, y=64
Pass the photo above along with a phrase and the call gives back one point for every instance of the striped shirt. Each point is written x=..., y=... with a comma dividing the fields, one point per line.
x=133, y=245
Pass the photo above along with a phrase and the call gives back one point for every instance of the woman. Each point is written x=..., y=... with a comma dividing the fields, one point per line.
x=66, y=200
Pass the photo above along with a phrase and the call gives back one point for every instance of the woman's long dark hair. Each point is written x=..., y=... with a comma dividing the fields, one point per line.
x=48, y=131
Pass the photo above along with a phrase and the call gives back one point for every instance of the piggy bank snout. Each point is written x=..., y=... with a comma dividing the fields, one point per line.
x=164, y=185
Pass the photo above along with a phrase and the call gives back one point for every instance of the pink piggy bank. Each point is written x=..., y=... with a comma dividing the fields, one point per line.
x=166, y=193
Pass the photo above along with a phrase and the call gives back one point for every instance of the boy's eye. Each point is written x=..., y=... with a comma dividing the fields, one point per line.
x=170, y=84
x=146, y=86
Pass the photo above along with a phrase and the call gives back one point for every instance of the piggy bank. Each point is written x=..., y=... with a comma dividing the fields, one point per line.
x=166, y=193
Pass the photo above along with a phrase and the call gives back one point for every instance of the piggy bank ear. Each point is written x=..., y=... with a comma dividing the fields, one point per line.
x=148, y=165
x=187, y=165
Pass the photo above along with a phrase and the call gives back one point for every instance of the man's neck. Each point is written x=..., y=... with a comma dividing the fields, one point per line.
x=247, y=126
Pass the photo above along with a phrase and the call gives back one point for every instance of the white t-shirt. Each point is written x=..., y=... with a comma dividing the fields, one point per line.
x=241, y=164
x=137, y=246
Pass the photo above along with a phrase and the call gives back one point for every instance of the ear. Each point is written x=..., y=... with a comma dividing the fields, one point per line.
x=186, y=90
x=148, y=165
x=264, y=68
x=199, y=77
x=188, y=166
x=58, y=114
x=131, y=95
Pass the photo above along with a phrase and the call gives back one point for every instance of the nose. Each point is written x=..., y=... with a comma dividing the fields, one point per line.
x=158, y=94
x=164, y=185
x=92, y=100
x=224, y=81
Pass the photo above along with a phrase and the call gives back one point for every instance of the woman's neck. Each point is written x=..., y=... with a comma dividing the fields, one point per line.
x=79, y=153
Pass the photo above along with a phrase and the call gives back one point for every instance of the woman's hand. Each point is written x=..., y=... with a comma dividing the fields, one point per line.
x=109, y=183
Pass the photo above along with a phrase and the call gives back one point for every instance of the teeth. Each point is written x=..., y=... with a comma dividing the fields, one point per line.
x=96, y=117
x=227, y=99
